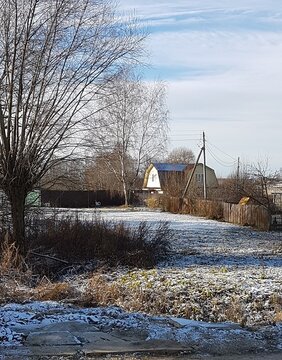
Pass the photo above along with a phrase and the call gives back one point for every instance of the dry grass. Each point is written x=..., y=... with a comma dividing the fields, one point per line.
x=153, y=202
x=15, y=276
x=205, y=208
x=54, y=291
x=10, y=260
x=100, y=292
x=235, y=312
x=74, y=241
x=12, y=291
x=276, y=301
x=136, y=290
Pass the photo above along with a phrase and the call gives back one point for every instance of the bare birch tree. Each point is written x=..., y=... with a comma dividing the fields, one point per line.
x=134, y=126
x=55, y=55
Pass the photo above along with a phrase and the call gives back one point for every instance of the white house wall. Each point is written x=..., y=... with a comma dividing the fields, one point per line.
x=153, y=179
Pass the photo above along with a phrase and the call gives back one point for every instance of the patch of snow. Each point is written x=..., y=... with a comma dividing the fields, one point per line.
x=13, y=318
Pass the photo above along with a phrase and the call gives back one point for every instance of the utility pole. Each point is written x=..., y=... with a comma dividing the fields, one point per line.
x=238, y=175
x=204, y=167
x=203, y=150
x=191, y=175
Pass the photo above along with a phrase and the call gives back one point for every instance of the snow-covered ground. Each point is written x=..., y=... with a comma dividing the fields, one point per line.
x=17, y=320
x=216, y=272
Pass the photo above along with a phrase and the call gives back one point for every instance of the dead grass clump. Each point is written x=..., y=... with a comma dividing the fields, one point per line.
x=276, y=301
x=15, y=276
x=148, y=301
x=234, y=312
x=100, y=292
x=54, y=291
x=278, y=317
x=153, y=202
x=14, y=271
x=12, y=291
x=205, y=208
x=10, y=259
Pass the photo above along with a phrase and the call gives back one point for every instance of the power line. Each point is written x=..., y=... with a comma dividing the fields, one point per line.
x=220, y=161
x=185, y=137
x=223, y=152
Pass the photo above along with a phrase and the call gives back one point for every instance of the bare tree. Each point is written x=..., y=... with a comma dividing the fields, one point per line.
x=104, y=171
x=181, y=155
x=262, y=178
x=65, y=175
x=251, y=181
x=134, y=127
x=55, y=55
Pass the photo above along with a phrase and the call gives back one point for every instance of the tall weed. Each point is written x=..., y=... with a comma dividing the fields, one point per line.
x=115, y=243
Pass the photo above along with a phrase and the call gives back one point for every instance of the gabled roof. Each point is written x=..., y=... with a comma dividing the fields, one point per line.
x=170, y=167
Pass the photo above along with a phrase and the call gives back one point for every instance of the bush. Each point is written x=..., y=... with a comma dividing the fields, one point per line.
x=74, y=240
x=153, y=202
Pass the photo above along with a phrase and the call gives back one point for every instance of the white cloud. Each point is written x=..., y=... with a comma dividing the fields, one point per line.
x=243, y=119
x=198, y=48
x=226, y=80
x=148, y=9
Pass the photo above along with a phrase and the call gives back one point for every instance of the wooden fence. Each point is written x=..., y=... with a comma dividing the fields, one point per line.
x=247, y=215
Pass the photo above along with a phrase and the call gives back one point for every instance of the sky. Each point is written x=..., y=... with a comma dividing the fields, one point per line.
x=221, y=61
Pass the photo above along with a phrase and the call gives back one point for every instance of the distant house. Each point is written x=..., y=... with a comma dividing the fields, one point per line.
x=172, y=178
x=276, y=192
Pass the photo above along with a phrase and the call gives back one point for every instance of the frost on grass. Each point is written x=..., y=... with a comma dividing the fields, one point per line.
x=207, y=293
x=216, y=272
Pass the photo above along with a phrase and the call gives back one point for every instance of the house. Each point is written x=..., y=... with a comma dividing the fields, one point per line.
x=276, y=193
x=172, y=178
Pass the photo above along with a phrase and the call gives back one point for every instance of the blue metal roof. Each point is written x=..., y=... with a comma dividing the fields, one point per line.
x=169, y=167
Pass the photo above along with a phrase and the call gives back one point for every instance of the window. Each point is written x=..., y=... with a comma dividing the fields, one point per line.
x=200, y=178
x=154, y=176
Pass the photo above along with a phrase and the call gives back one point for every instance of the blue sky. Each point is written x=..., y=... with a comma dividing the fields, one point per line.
x=222, y=63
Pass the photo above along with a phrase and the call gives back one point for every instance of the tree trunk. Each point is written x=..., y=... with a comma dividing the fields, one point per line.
x=17, y=200
x=125, y=194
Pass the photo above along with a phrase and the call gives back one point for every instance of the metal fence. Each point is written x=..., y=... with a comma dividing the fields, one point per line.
x=80, y=199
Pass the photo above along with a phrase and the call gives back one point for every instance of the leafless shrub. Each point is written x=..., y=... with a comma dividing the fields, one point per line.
x=75, y=241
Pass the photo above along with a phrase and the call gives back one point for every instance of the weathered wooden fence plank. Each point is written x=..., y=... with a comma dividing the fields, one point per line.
x=247, y=215
x=252, y=215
